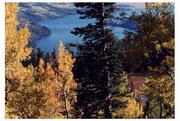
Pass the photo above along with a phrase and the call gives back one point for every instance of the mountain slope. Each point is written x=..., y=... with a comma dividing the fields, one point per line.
x=30, y=13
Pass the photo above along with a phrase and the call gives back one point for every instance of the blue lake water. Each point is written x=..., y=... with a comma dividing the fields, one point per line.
x=61, y=30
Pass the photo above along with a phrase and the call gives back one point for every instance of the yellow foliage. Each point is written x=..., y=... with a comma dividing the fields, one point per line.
x=15, y=45
x=65, y=78
x=21, y=90
x=58, y=86
x=169, y=44
x=131, y=110
x=25, y=97
x=161, y=96
x=158, y=47
x=51, y=92
x=155, y=87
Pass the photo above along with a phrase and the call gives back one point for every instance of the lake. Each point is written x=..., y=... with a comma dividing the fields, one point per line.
x=61, y=30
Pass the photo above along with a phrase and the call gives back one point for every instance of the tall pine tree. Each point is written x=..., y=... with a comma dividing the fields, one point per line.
x=98, y=60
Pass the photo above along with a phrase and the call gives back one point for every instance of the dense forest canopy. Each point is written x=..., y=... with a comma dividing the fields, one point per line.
x=94, y=82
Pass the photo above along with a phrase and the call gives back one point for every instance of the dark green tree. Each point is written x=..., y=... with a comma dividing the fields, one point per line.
x=98, y=60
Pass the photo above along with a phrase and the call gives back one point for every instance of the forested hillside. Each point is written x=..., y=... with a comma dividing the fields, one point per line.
x=106, y=77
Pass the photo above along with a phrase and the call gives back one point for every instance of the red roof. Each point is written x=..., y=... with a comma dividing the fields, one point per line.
x=136, y=83
x=137, y=79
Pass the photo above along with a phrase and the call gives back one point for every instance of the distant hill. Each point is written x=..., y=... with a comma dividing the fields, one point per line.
x=39, y=11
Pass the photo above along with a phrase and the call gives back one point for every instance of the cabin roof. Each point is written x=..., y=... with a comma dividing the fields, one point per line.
x=137, y=83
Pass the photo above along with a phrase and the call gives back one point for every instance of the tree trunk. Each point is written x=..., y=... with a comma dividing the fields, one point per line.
x=65, y=101
x=107, y=103
x=101, y=21
x=161, y=111
x=107, y=108
x=146, y=110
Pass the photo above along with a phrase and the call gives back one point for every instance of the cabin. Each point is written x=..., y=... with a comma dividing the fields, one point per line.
x=136, y=82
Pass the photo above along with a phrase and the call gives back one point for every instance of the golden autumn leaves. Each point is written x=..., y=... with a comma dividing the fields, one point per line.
x=58, y=85
x=43, y=92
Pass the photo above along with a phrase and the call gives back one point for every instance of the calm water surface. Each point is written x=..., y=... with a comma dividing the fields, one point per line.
x=61, y=30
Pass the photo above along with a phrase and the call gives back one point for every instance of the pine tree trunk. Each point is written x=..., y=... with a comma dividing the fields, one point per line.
x=107, y=108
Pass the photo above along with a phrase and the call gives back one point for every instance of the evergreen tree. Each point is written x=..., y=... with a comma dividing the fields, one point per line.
x=98, y=60
x=123, y=100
